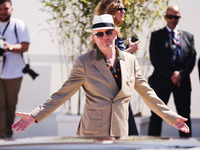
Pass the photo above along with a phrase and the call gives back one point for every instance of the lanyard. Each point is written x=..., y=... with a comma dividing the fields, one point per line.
x=5, y=28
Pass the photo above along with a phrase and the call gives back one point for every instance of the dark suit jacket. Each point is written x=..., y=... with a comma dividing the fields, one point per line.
x=161, y=56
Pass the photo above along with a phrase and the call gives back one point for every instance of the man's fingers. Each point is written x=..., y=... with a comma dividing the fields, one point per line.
x=19, y=114
x=185, y=129
x=23, y=128
x=184, y=119
x=18, y=128
x=181, y=125
x=15, y=125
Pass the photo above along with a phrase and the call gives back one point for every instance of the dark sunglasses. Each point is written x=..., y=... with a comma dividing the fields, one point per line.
x=108, y=32
x=171, y=17
x=121, y=9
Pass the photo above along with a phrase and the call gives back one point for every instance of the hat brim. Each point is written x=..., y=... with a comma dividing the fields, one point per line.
x=90, y=30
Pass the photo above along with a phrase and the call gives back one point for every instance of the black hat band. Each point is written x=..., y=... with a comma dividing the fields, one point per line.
x=101, y=25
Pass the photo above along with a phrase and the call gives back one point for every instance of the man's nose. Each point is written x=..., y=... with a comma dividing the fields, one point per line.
x=105, y=36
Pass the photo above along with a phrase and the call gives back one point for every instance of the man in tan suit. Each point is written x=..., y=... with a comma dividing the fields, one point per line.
x=108, y=77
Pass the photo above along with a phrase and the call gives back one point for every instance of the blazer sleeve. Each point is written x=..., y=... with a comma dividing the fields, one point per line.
x=151, y=99
x=69, y=88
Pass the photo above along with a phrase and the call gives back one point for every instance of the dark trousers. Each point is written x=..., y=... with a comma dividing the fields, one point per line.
x=131, y=123
x=9, y=89
x=182, y=102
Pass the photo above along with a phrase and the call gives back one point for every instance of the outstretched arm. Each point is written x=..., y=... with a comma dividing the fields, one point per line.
x=181, y=125
x=26, y=121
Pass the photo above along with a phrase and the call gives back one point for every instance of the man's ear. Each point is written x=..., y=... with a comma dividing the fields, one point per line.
x=93, y=39
x=165, y=17
x=116, y=33
x=11, y=9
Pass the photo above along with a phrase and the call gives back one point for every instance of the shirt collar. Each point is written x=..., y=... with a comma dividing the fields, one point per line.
x=176, y=31
x=120, y=55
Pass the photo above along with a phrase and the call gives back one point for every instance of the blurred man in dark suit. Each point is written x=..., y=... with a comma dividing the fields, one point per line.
x=173, y=55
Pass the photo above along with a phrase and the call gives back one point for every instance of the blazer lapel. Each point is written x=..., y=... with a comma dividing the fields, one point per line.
x=104, y=70
x=123, y=67
x=184, y=41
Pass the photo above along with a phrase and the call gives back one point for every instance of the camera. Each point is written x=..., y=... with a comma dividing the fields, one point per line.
x=1, y=45
x=134, y=39
x=32, y=73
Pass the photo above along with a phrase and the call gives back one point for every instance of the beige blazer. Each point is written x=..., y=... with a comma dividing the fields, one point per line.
x=106, y=108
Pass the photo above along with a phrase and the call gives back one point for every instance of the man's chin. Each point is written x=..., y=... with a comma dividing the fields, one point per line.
x=4, y=19
x=109, y=46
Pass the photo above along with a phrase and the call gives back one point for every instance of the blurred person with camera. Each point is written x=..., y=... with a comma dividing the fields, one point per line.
x=173, y=55
x=14, y=41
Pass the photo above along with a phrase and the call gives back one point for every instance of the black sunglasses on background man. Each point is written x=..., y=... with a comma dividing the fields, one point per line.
x=171, y=17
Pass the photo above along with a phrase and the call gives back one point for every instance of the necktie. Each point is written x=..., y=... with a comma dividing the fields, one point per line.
x=172, y=34
x=176, y=48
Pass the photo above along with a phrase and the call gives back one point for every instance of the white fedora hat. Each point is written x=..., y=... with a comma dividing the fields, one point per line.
x=104, y=21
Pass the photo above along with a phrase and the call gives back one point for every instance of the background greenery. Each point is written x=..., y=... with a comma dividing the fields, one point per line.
x=70, y=18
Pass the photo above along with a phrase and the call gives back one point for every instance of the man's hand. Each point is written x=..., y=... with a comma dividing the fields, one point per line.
x=176, y=78
x=181, y=125
x=24, y=122
x=132, y=46
x=6, y=46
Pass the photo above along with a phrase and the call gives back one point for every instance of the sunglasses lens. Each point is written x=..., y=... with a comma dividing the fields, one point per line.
x=176, y=17
x=109, y=32
x=121, y=9
x=99, y=34
x=125, y=9
x=169, y=16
